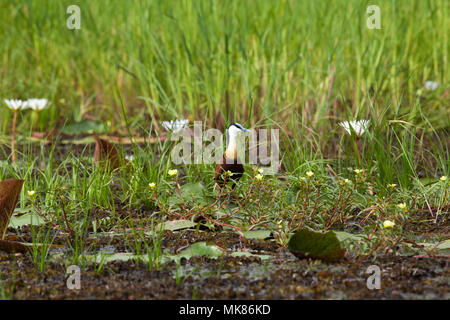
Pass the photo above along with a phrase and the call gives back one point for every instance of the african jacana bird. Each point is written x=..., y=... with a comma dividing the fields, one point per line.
x=230, y=161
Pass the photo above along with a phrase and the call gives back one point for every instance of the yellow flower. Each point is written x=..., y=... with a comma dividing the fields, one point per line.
x=31, y=193
x=358, y=171
x=401, y=206
x=173, y=172
x=152, y=185
x=388, y=224
x=347, y=181
x=259, y=177
x=443, y=178
x=228, y=173
x=392, y=185
x=309, y=174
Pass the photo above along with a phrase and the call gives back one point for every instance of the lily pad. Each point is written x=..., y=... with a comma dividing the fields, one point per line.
x=346, y=236
x=257, y=234
x=190, y=193
x=442, y=248
x=83, y=127
x=249, y=254
x=175, y=225
x=316, y=245
x=199, y=249
x=26, y=219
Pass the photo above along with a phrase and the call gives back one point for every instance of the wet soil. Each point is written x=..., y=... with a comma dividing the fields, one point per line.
x=281, y=277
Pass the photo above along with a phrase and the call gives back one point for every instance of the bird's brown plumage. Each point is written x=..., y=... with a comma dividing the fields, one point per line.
x=228, y=165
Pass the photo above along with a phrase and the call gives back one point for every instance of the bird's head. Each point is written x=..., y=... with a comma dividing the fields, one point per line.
x=232, y=133
x=234, y=129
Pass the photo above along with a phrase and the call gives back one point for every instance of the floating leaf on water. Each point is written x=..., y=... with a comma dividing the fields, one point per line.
x=199, y=249
x=84, y=127
x=442, y=248
x=316, y=245
x=26, y=219
x=9, y=194
x=237, y=254
x=257, y=234
x=175, y=225
x=344, y=236
x=190, y=193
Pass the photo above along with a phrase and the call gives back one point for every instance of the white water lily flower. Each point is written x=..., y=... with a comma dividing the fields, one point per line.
x=431, y=85
x=15, y=104
x=36, y=104
x=175, y=125
x=359, y=126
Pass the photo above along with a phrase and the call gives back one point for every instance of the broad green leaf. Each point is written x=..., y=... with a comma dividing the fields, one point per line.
x=248, y=254
x=317, y=245
x=26, y=219
x=84, y=127
x=257, y=234
x=199, y=249
x=175, y=225
x=190, y=193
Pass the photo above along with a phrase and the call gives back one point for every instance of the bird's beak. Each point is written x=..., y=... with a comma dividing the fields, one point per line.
x=245, y=130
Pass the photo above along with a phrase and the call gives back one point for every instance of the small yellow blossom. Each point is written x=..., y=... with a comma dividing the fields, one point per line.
x=347, y=181
x=152, y=185
x=443, y=178
x=259, y=177
x=358, y=171
x=31, y=193
x=309, y=174
x=392, y=185
x=173, y=172
x=401, y=206
x=388, y=224
x=228, y=173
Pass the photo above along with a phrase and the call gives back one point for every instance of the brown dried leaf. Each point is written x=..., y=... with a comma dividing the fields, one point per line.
x=9, y=194
x=106, y=152
x=13, y=246
x=16, y=246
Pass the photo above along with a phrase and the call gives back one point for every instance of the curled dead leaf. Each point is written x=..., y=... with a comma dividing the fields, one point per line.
x=105, y=152
x=9, y=194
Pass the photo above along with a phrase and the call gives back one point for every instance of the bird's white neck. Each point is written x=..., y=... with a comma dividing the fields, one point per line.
x=231, y=151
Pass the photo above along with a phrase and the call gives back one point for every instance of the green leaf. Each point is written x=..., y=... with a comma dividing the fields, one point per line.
x=190, y=193
x=84, y=127
x=317, y=245
x=257, y=234
x=248, y=254
x=26, y=219
x=442, y=248
x=344, y=236
x=175, y=225
x=199, y=249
